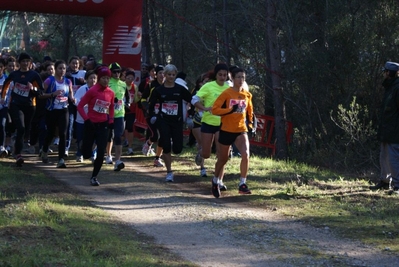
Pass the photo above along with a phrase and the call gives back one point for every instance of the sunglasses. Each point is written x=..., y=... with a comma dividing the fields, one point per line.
x=116, y=71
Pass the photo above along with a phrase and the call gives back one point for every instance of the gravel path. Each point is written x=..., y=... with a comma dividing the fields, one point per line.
x=215, y=232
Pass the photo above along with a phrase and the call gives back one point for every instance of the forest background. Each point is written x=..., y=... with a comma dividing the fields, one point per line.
x=315, y=63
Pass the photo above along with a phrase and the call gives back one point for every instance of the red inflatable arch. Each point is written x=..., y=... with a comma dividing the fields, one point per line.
x=122, y=23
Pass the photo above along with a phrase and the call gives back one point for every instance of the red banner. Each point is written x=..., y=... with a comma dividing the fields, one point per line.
x=122, y=23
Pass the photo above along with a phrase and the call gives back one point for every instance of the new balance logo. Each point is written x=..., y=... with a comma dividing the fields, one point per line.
x=125, y=41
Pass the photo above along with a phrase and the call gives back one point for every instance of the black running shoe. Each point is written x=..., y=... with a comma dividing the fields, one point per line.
x=244, y=190
x=223, y=187
x=94, y=181
x=215, y=190
x=380, y=185
x=19, y=160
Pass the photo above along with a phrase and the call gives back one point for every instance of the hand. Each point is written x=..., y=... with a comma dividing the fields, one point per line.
x=251, y=132
x=190, y=122
x=153, y=120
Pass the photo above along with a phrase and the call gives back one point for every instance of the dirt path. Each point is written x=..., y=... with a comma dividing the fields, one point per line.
x=208, y=231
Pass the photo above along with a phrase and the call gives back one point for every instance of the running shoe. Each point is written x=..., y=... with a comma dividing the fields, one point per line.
x=203, y=173
x=94, y=181
x=79, y=158
x=3, y=152
x=19, y=160
x=215, y=189
x=244, y=190
x=61, y=164
x=158, y=163
x=44, y=157
x=129, y=151
x=146, y=148
x=56, y=141
x=198, y=159
x=151, y=152
x=108, y=160
x=119, y=165
x=222, y=187
x=169, y=177
x=125, y=143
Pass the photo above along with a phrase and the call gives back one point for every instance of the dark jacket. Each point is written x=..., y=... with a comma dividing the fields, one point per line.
x=388, y=130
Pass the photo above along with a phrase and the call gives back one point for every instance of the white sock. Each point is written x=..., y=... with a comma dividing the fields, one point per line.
x=215, y=180
x=243, y=181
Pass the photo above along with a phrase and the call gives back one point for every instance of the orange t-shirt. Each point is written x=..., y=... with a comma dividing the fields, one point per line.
x=234, y=122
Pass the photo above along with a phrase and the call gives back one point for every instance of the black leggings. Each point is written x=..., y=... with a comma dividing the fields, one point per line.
x=170, y=132
x=56, y=118
x=95, y=133
x=21, y=118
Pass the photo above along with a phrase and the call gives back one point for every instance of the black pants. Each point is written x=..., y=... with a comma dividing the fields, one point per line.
x=95, y=133
x=21, y=117
x=56, y=118
x=170, y=132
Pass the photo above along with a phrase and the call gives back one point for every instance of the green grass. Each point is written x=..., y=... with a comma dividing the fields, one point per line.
x=44, y=224
x=320, y=197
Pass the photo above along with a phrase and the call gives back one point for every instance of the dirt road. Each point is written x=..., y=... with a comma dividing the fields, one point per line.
x=189, y=221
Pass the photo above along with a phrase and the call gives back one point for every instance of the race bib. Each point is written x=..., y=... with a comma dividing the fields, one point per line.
x=241, y=105
x=118, y=105
x=170, y=108
x=21, y=89
x=101, y=106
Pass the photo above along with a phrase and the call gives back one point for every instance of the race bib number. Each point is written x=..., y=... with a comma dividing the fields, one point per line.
x=241, y=105
x=101, y=106
x=119, y=105
x=21, y=89
x=170, y=108
x=60, y=100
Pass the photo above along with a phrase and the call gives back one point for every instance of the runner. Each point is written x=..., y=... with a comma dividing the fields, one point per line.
x=99, y=117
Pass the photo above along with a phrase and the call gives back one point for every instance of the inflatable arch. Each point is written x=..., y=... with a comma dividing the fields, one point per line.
x=122, y=23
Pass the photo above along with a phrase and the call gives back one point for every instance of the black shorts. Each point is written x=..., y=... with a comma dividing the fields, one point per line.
x=207, y=128
x=228, y=138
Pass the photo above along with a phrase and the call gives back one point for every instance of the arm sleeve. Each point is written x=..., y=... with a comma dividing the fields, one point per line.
x=220, y=107
x=84, y=101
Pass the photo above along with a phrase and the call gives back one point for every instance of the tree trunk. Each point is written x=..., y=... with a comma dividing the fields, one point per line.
x=66, y=36
x=25, y=41
x=278, y=96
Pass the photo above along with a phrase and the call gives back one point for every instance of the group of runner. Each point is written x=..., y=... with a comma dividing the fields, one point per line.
x=98, y=108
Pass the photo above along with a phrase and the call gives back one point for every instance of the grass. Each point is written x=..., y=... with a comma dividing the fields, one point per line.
x=321, y=198
x=43, y=223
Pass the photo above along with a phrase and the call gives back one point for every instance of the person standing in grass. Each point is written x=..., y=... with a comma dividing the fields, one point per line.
x=388, y=130
x=98, y=119
x=235, y=107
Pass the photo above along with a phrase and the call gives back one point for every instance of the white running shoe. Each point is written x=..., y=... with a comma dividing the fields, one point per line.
x=146, y=148
x=108, y=160
x=203, y=173
x=158, y=163
x=3, y=152
x=79, y=158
